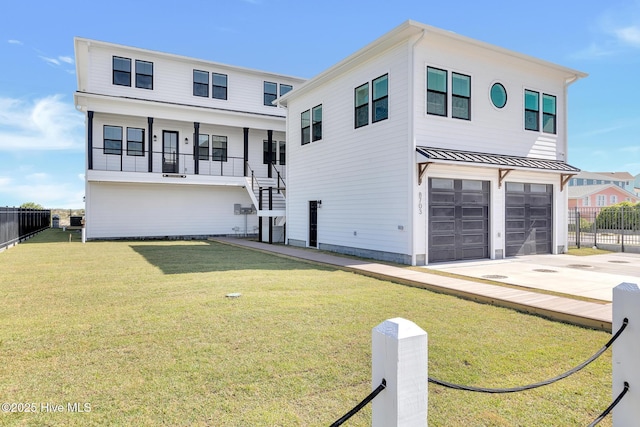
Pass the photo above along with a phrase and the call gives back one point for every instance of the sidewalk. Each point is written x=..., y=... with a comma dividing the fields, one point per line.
x=592, y=314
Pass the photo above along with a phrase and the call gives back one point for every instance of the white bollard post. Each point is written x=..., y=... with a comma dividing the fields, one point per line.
x=626, y=367
x=399, y=355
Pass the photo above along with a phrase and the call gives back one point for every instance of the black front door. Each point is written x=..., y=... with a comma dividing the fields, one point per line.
x=170, y=152
x=313, y=223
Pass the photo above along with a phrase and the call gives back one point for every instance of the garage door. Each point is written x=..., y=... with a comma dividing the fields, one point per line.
x=528, y=218
x=458, y=219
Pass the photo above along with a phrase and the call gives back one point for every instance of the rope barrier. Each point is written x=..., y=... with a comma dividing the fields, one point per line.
x=625, y=322
x=361, y=405
x=613, y=405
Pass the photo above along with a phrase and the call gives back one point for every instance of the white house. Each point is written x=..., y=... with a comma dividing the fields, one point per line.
x=176, y=146
x=428, y=146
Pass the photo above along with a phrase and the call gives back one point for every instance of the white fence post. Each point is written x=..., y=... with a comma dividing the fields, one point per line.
x=399, y=355
x=626, y=365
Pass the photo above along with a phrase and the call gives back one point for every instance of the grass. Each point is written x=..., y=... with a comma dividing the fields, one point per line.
x=143, y=333
x=585, y=251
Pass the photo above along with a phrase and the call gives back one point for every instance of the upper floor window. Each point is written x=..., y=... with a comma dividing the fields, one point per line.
x=380, y=95
x=436, y=91
x=121, y=71
x=316, y=125
x=201, y=83
x=218, y=148
x=285, y=89
x=362, y=105
x=219, y=86
x=135, y=142
x=112, y=139
x=460, y=96
x=601, y=200
x=305, y=127
x=548, y=113
x=270, y=93
x=203, y=147
x=144, y=74
x=531, y=110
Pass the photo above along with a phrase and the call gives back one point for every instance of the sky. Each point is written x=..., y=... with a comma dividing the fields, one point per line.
x=42, y=134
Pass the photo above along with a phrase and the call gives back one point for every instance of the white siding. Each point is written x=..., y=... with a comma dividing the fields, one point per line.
x=490, y=130
x=359, y=174
x=156, y=210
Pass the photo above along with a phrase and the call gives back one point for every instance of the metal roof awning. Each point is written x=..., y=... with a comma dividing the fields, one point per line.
x=504, y=163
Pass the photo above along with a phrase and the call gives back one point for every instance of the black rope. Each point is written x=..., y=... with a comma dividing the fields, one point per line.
x=361, y=405
x=613, y=405
x=625, y=322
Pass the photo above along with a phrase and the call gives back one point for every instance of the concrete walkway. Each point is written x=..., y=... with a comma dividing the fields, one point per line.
x=578, y=278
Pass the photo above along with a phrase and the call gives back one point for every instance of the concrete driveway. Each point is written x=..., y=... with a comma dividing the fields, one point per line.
x=591, y=276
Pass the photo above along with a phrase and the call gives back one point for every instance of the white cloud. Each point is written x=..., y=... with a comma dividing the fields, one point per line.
x=44, y=124
x=629, y=35
x=67, y=59
x=615, y=32
x=49, y=195
x=14, y=42
x=50, y=61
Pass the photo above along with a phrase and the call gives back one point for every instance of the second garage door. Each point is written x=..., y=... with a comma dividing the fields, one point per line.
x=528, y=217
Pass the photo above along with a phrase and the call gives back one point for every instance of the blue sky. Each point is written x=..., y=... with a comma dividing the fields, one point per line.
x=42, y=135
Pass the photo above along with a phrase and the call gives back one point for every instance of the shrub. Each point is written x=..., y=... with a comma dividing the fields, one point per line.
x=624, y=215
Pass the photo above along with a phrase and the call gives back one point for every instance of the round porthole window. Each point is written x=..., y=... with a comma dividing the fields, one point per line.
x=498, y=95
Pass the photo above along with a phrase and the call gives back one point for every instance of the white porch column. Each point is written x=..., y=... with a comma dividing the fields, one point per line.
x=399, y=355
x=626, y=364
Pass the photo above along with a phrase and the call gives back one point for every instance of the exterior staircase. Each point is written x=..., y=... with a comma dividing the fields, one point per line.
x=276, y=210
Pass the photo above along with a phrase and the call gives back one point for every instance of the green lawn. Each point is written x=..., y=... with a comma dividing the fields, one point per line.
x=142, y=332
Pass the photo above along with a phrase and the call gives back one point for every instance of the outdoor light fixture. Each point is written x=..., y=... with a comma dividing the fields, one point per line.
x=186, y=140
x=155, y=138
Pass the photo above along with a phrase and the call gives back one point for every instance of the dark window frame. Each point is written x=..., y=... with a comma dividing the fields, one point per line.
x=115, y=145
x=360, y=108
x=200, y=84
x=118, y=73
x=219, y=91
x=548, y=115
x=219, y=153
x=289, y=89
x=455, y=96
x=316, y=125
x=375, y=101
x=203, y=149
x=444, y=94
x=530, y=112
x=132, y=142
x=282, y=152
x=265, y=152
x=269, y=97
x=305, y=127
x=141, y=76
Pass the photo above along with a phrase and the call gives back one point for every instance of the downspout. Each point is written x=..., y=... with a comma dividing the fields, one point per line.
x=565, y=136
x=412, y=141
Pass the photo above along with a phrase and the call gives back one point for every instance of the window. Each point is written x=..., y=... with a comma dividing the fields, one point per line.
x=268, y=157
x=121, y=71
x=305, y=123
x=135, y=142
x=531, y=110
x=548, y=113
x=380, y=88
x=436, y=91
x=362, y=105
x=112, y=137
x=219, y=86
x=270, y=93
x=498, y=95
x=601, y=200
x=144, y=74
x=613, y=199
x=586, y=201
x=218, y=148
x=203, y=147
x=285, y=89
x=316, y=128
x=283, y=153
x=460, y=96
x=201, y=83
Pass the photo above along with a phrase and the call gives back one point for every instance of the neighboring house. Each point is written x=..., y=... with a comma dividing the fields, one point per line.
x=636, y=184
x=172, y=143
x=428, y=146
x=623, y=180
x=599, y=196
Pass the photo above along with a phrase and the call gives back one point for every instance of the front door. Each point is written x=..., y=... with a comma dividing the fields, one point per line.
x=170, y=152
x=313, y=223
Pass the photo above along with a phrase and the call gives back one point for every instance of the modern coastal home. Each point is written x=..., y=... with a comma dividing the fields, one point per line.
x=179, y=146
x=428, y=146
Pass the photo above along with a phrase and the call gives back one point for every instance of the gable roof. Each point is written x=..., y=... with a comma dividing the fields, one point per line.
x=580, y=191
x=402, y=33
x=621, y=176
